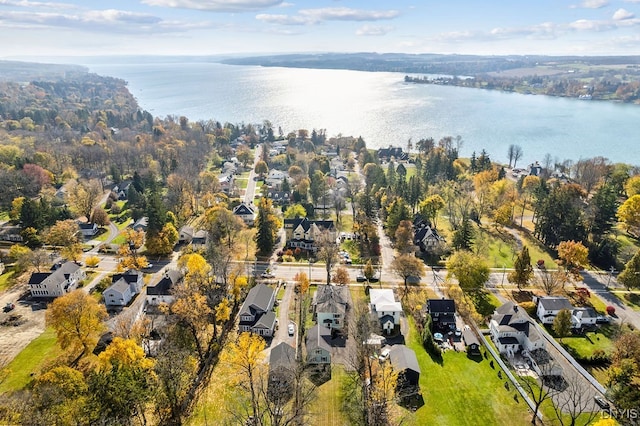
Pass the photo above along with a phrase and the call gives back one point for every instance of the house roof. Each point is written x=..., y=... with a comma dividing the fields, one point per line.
x=89, y=226
x=386, y=318
x=389, y=307
x=283, y=355
x=129, y=276
x=58, y=275
x=469, y=337
x=331, y=298
x=381, y=295
x=509, y=317
x=306, y=223
x=201, y=234
x=403, y=358
x=242, y=209
x=552, y=303
x=266, y=320
x=427, y=233
x=442, y=306
x=164, y=286
x=317, y=338
x=259, y=297
x=121, y=286
x=587, y=312
x=186, y=230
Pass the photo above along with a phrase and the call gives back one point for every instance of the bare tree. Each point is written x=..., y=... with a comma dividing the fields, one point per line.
x=328, y=251
x=575, y=401
x=517, y=154
x=551, y=281
x=510, y=153
x=548, y=383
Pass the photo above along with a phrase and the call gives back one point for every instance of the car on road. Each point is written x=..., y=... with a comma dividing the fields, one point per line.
x=149, y=266
x=267, y=275
x=458, y=332
x=601, y=402
x=291, y=329
x=9, y=307
x=361, y=278
x=601, y=319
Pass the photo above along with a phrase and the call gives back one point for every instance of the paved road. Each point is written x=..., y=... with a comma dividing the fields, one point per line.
x=597, y=284
x=250, y=192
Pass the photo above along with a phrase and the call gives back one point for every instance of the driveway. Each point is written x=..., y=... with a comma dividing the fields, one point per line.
x=597, y=284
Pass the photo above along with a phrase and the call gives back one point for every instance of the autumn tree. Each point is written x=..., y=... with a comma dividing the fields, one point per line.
x=128, y=252
x=369, y=272
x=574, y=256
x=630, y=276
x=244, y=357
x=341, y=276
x=629, y=213
x=83, y=196
x=405, y=266
x=59, y=396
x=624, y=374
x=469, y=269
x=65, y=233
x=261, y=168
x=100, y=217
x=551, y=281
x=162, y=243
x=78, y=321
x=404, y=237
x=223, y=226
x=529, y=184
x=294, y=211
x=632, y=186
x=523, y=271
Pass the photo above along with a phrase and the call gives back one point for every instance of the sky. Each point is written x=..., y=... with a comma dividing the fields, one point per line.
x=209, y=27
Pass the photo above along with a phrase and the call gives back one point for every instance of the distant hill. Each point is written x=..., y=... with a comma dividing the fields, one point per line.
x=28, y=71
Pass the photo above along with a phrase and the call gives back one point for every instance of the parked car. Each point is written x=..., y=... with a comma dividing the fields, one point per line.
x=458, y=332
x=602, y=319
x=361, y=278
x=9, y=307
x=267, y=275
x=601, y=402
x=291, y=329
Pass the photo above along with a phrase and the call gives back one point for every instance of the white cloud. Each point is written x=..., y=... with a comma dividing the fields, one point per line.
x=373, y=30
x=348, y=14
x=622, y=14
x=109, y=21
x=631, y=1
x=36, y=4
x=594, y=4
x=283, y=19
x=216, y=5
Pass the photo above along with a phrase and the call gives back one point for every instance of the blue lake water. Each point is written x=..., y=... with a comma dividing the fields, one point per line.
x=384, y=110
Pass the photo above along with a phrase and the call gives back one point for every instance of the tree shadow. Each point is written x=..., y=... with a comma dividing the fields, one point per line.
x=411, y=402
x=482, y=303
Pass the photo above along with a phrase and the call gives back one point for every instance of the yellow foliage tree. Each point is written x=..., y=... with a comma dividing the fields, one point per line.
x=126, y=353
x=574, y=256
x=78, y=320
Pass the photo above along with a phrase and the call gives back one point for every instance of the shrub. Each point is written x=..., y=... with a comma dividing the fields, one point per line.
x=530, y=307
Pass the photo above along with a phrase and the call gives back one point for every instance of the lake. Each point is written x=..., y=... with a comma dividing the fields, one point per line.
x=384, y=110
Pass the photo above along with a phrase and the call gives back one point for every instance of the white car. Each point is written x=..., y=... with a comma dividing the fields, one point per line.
x=291, y=329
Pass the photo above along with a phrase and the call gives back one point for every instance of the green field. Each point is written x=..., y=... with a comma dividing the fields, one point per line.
x=583, y=347
x=462, y=391
x=628, y=298
x=5, y=280
x=29, y=362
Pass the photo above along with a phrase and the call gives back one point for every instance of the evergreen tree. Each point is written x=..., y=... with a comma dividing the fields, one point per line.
x=463, y=236
x=523, y=271
x=156, y=213
x=267, y=224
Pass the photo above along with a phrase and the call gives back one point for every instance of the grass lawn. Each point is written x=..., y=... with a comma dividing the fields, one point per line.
x=462, y=391
x=346, y=222
x=5, y=280
x=326, y=411
x=582, y=347
x=242, y=183
x=41, y=350
x=630, y=299
x=4, y=216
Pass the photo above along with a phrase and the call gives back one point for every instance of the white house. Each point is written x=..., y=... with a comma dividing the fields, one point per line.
x=185, y=234
x=162, y=291
x=62, y=279
x=302, y=232
x=512, y=330
x=88, y=229
x=548, y=308
x=330, y=306
x=275, y=177
x=583, y=317
x=123, y=288
x=386, y=308
x=245, y=212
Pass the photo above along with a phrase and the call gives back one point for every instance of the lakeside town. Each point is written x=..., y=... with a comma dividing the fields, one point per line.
x=163, y=271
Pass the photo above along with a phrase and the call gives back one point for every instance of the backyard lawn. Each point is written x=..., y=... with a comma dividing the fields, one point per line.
x=462, y=391
x=5, y=280
x=326, y=411
x=630, y=299
x=583, y=347
x=30, y=360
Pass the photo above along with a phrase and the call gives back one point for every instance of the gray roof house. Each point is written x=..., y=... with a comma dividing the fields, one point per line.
x=548, y=308
x=513, y=330
x=162, y=291
x=245, y=212
x=330, y=306
x=124, y=287
x=317, y=345
x=282, y=369
x=62, y=279
x=405, y=362
x=256, y=313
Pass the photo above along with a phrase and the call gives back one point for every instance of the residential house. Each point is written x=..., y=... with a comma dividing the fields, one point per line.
x=200, y=239
x=428, y=239
x=405, y=363
x=245, y=212
x=318, y=346
x=330, y=306
x=279, y=198
x=275, y=178
x=443, y=314
x=512, y=330
x=583, y=317
x=471, y=342
x=549, y=306
x=88, y=229
x=282, y=373
x=386, y=308
x=162, y=291
x=141, y=224
x=123, y=288
x=11, y=234
x=185, y=235
x=386, y=154
x=256, y=313
x=62, y=279
x=302, y=232
x=226, y=181
x=122, y=189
